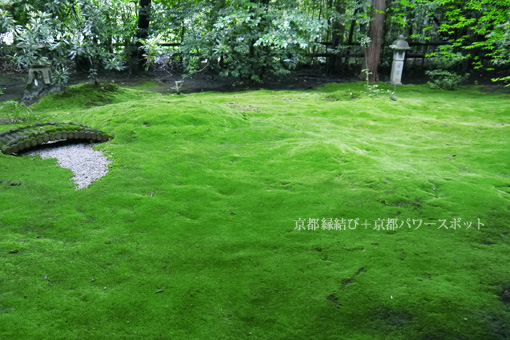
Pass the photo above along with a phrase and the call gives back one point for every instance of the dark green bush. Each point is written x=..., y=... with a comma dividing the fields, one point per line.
x=446, y=80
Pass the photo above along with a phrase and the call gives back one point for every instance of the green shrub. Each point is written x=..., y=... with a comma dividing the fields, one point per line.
x=14, y=111
x=248, y=40
x=446, y=80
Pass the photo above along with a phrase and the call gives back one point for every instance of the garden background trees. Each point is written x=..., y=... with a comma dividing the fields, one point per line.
x=252, y=39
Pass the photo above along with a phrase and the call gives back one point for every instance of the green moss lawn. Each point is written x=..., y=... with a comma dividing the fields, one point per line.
x=204, y=227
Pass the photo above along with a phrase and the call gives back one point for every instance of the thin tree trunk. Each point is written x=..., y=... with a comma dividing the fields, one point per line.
x=337, y=37
x=376, y=34
x=143, y=30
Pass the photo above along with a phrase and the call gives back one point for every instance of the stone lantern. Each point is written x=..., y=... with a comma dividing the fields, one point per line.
x=39, y=66
x=399, y=46
x=42, y=68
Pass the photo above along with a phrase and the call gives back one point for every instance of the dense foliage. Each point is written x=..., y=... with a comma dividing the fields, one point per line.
x=248, y=38
x=89, y=32
x=478, y=29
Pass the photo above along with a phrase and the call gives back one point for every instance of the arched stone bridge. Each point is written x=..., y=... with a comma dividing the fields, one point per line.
x=19, y=139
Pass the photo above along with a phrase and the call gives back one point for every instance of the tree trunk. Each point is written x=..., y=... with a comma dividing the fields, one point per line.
x=142, y=31
x=337, y=37
x=376, y=34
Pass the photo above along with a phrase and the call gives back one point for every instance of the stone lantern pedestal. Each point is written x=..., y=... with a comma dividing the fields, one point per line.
x=399, y=47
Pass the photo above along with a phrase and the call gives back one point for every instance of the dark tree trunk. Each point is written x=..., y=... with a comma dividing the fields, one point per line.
x=143, y=30
x=337, y=37
x=351, y=31
x=376, y=34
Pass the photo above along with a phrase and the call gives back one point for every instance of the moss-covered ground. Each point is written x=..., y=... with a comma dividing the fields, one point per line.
x=204, y=227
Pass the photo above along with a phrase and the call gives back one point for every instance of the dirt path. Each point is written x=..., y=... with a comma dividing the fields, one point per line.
x=13, y=84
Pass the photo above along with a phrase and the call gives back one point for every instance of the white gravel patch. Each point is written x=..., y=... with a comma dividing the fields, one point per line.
x=86, y=164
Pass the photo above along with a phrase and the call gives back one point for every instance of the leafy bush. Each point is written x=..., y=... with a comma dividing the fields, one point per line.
x=445, y=59
x=446, y=80
x=503, y=79
x=85, y=32
x=14, y=111
x=442, y=65
x=248, y=40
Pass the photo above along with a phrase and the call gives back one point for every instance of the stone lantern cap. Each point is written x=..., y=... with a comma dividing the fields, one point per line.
x=400, y=44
